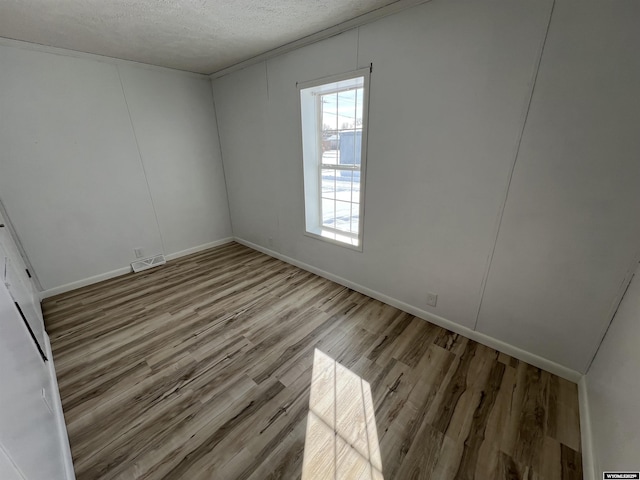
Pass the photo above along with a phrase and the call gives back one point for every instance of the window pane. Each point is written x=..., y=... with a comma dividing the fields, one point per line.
x=346, y=109
x=328, y=183
x=358, y=107
x=355, y=217
x=330, y=157
x=329, y=122
x=343, y=185
x=328, y=213
x=343, y=216
x=355, y=190
x=350, y=147
x=342, y=127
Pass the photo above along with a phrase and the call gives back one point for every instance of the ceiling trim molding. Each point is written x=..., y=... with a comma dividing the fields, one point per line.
x=356, y=22
x=37, y=47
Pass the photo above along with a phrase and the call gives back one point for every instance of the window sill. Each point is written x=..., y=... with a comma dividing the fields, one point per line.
x=319, y=236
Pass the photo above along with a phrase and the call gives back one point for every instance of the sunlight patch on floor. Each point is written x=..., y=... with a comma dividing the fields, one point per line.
x=342, y=439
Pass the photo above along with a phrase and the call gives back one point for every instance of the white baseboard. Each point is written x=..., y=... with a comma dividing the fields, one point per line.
x=124, y=270
x=499, y=345
x=586, y=434
x=199, y=248
x=84, y=282
x=57, y=406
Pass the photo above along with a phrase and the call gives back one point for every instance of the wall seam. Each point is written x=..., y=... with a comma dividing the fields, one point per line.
x=224, y=170
x=615, y=305
x=358, y=48
x=4, y=452
x=266, y=80
x=144, y=171
x=613, y=317
x=396, y=6
x=485, y=279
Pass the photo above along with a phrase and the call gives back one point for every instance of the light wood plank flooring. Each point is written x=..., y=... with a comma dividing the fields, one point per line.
x=229, y=364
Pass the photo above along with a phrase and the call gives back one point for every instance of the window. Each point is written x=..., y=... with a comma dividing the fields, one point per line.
x=334, y=134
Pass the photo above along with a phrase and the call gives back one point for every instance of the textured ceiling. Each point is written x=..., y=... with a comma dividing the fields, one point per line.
x=196, y=35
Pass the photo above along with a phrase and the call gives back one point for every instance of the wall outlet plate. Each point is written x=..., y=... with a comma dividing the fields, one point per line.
x=138, y=251
x=432, y=299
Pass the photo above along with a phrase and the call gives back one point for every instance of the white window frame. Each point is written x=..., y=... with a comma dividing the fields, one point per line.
x=312, y=193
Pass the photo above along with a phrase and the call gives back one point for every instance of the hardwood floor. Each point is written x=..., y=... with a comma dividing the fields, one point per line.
x=229, y=364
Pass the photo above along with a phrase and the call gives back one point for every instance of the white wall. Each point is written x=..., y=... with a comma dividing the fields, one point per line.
x=570, y=231
x=450, y=88
x=71, y=175
x=177, y=134
x=613, y=386
x=437, y=166
x=247, y=165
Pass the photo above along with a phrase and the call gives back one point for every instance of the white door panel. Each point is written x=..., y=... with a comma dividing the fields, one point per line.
x=21, y=295
x=19, y=284
x=28, y=429
x=13, y=252
x=8, y=471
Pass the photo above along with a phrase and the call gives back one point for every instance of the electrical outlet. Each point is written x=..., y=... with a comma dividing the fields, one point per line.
x=138, y=252
x=432, y=299
x=270, y=242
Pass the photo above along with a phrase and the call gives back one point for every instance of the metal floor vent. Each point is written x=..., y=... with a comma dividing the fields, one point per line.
x=147, y=263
